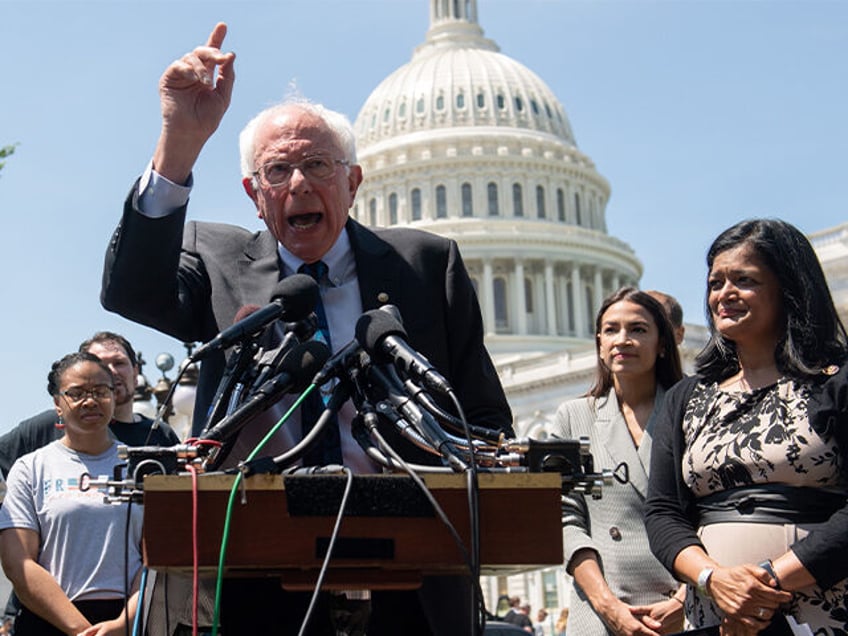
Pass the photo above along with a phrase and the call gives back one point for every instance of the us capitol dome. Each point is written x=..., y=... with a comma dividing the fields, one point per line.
x=468, y=143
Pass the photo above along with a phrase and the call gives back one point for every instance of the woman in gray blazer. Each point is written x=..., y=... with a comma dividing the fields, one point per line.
x=619, y=587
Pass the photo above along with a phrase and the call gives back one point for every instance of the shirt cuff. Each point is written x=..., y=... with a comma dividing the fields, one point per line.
x=159, y=196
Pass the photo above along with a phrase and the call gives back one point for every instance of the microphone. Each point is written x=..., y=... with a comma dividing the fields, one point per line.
x=338, y=363
x=423, y=422
x=385, y=340
x=293, y=299
x=268, y=362
x=296, y=371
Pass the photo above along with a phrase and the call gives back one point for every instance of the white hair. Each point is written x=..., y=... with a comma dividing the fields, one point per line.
x=338, y=124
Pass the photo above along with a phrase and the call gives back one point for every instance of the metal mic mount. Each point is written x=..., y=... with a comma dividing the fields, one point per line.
x=570, y=458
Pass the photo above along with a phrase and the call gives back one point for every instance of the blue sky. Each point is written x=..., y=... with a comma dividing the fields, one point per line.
x=699, y=112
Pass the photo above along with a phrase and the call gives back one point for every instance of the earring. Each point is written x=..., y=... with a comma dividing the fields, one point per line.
x=60, y=423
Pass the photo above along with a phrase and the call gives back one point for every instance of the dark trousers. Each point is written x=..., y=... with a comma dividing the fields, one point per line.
x=29, y=624
x=260, y=606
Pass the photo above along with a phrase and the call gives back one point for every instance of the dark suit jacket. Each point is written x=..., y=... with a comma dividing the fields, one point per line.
x=190, y=280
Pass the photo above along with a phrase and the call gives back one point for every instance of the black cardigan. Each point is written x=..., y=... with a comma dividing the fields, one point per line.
x=670, y=512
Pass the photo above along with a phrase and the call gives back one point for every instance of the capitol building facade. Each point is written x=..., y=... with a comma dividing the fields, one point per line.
x=465, y=142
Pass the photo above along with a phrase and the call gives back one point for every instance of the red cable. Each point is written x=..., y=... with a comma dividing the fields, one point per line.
x=194, y=549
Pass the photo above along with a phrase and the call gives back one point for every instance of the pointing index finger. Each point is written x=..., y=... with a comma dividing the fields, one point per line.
x=216, y=38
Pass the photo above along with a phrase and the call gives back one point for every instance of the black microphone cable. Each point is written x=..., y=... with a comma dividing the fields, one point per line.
x=369, y=421
x=456, y=424
x=478, y=622
x=331, y=545
x=166, y=404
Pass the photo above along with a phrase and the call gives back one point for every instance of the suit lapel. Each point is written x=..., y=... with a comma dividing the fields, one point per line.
x=378, y=276
x=259, y=269
x=619, y=444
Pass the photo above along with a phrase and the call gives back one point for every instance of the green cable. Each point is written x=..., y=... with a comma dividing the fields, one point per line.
x=219, y=582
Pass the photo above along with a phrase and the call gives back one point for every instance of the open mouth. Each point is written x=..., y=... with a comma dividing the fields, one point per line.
x=305, y=221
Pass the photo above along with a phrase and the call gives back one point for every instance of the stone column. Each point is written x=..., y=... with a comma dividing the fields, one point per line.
x=578, y=294
x=562, y=309
x=598, y=289
x=520, y=304
x=550, y=299
x=488, y=298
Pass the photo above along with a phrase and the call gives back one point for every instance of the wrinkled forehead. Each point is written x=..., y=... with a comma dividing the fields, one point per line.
x=294, y=132
x=107, y=346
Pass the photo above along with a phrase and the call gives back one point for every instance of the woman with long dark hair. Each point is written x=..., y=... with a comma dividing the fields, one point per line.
x=748, y=491
x=619, y=587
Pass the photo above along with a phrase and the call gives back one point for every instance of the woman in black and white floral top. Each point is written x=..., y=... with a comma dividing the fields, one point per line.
x=747, y=496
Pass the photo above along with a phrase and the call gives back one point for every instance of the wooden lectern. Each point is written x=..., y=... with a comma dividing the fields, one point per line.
x=390, y=536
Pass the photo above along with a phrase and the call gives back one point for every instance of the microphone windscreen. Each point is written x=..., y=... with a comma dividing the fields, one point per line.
x=372, y=327
x=244, y=312
x=299, y=295
x=303, y=362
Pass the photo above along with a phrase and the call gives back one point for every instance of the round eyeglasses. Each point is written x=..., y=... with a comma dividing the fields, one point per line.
x=100, y=393
x=277, y=174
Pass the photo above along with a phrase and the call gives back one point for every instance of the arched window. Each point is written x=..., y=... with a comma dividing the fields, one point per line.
x=501, y=315
x=540, y=202
x=415, y=196
x=440, y=102
x=560, y=204
x=441, y=202
x=481, y=100
x=519, y=104
x=517, y=200
x=528, y=295
x=492, y=193
x=467, y=205
x=393, y=209
x=501, y=101
x=419, y=105
x=460, y=100
x=372, y=212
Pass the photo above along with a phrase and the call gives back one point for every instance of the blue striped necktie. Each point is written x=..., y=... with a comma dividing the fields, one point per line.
x=328, y=449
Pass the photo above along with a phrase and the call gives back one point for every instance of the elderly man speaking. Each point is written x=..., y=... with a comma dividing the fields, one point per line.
x=189, y=280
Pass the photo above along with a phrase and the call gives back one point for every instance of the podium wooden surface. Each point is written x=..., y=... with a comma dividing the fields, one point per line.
x=390, y=537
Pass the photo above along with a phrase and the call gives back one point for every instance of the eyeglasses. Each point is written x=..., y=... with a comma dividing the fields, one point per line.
x=101, y=392
x=277, y=174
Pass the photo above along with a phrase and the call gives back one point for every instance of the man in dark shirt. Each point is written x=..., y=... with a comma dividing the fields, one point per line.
x=129, y=428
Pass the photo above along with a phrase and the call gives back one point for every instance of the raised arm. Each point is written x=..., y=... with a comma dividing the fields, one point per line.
x=194, y=99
